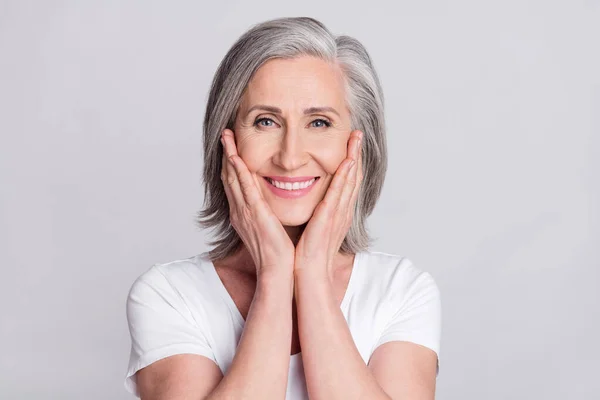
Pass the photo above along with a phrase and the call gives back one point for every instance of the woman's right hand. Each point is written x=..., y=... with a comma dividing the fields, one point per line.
x=259, y=228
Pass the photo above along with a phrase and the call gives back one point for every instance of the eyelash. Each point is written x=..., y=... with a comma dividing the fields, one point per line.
x=327, y=123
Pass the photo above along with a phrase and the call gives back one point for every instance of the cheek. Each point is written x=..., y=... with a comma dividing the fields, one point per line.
x=328, y=153
x=330, y=156
x=253, y=153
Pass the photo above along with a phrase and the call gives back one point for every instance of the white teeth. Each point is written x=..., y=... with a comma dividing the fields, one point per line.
x=291, y=186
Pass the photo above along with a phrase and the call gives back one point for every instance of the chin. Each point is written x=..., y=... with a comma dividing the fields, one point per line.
x=295, y=217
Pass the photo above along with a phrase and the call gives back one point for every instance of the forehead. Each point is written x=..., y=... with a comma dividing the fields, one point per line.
x=301, y=81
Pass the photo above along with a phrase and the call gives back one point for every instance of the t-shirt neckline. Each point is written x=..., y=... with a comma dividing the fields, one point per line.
x=220, y=287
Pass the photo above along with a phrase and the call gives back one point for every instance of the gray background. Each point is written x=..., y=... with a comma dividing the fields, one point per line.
x=493, y=184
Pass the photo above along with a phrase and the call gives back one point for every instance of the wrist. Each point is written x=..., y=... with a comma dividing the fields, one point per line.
x=312, y=274
x=275, y=277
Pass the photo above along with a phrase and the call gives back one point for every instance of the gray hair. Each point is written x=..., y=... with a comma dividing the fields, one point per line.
x=288, y=38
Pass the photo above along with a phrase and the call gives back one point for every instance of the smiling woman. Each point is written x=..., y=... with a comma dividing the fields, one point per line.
x=297, y=76
x=288, y=128
x=290, y=301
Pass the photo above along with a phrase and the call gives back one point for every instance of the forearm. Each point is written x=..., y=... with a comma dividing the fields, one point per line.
x=333, y=367
x=259, y=369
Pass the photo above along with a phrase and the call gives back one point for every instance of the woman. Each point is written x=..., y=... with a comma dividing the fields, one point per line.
x=289, y=303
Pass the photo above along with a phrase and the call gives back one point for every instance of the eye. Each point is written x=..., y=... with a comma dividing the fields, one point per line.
x=258, y=121
x=324, y=121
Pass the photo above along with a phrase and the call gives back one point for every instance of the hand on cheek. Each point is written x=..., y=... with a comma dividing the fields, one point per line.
x=326, y=230
x=259, y=228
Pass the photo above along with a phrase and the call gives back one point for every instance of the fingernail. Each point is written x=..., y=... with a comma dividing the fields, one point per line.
x=230, y=158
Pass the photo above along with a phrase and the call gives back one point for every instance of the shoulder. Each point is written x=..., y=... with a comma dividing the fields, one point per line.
x=396, y=275
x=164, y=281
x=392, y=266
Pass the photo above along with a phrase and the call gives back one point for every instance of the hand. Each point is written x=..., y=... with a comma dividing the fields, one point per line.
x=325, y=232
x=259, y=228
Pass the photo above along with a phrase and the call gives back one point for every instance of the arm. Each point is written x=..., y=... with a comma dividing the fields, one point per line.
x=259, y=369
x=403, y=366
x=333, y=367
x=405, y=370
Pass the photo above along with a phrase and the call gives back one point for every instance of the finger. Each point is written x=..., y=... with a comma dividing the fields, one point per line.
x=351, y=179
x=325, y=213
x=359, y=175
x=336, y=186
x=245, y=181
x=257, y=183
x=227, y=187
x=232, y=188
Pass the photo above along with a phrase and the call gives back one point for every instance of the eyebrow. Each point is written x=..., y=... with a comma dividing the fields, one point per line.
x=276, y=110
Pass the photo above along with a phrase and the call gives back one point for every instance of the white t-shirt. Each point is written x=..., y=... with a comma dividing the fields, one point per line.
x=183, y=307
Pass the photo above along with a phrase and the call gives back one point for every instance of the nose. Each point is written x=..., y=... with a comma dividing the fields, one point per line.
x=291, y=154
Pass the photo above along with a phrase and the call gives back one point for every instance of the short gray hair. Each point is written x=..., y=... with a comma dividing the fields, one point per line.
x=288, y=38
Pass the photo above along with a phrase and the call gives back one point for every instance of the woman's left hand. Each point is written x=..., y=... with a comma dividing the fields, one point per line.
x=323, y=236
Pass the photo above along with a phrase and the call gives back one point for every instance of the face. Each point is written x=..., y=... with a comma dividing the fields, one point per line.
x=293, y=123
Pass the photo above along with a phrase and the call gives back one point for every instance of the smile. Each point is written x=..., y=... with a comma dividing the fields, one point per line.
x=290, y=185
x=291, y=190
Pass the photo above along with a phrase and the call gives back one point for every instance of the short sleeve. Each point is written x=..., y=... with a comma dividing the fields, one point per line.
x=418, y=318
x=160, y=325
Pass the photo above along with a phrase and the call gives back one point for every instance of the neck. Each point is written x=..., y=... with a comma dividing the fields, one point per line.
x=295, y=232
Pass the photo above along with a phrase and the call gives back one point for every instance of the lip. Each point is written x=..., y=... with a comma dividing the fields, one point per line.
x=291, y=179
x=291, y=194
